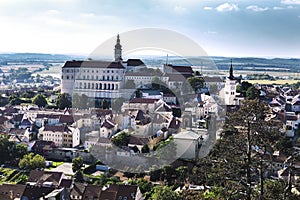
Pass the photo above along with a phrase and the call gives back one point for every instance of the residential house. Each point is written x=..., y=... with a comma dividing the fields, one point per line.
x=61, y=135
x=108, y=128
x=187, y=145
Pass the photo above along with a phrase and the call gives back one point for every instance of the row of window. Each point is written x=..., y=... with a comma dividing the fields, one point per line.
x=88, y=71
x=100, y=86
x=103, y=78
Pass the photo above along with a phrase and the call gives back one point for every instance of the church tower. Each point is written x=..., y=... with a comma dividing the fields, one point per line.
x=118, y=50
x=230, y=87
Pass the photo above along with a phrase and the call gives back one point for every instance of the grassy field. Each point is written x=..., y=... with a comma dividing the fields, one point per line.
x=278, y=82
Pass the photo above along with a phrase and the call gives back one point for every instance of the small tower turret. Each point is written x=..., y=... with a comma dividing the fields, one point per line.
x=118, y=50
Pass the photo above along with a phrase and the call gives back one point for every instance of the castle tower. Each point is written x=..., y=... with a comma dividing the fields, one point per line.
x=118, y=50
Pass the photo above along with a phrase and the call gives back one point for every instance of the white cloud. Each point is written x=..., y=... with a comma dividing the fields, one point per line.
x=207, y=8
x=296, y=2
x=227, y=7
x=277, y=8
x=256, y=8
x=179, y=9
x=87, y=15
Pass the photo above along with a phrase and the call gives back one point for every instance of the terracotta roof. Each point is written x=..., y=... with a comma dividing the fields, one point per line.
x=40, y=177
x=138, y=140
x=141, y=74
x=66, y=183
x=143, y=100
x=128, y=191
x=78, y=189
x=53, y=128
x=108, y=124
x=37, y=192
x=134, y=62
x=93, y=64
x=68, y=119
x=108, y=195
x=92, y=192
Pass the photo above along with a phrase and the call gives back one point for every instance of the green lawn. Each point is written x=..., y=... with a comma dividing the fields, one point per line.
x=12, y=176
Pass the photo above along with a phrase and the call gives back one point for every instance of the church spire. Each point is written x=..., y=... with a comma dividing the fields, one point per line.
x=231, y=77
x=118, y=50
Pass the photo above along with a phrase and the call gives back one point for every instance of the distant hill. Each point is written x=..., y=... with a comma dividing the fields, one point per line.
x=222, y=63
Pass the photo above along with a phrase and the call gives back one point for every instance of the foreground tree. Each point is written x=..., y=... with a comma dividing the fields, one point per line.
x=235, y=162
x=77, y=164
x=164, y=193
x=31, y=162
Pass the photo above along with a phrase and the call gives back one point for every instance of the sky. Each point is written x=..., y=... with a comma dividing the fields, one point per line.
x=239, y=28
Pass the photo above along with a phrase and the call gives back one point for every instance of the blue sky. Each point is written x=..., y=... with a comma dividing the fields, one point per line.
x=238, y=28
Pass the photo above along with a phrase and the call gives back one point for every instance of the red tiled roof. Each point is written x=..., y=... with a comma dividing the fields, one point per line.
x=134, y=62
x=143, y=100
x=68, y=119
x=53, y=128
x=138, y=140
x=93, y=64
x=92, y=192
x=108, y=124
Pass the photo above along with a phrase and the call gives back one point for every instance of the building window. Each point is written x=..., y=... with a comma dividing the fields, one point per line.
x=107, y=78
x=112, y=86
x=100, y=86
x=67, y=77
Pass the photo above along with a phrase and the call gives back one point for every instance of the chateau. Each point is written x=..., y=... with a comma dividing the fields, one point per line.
x=97, y=79
x=106, y=80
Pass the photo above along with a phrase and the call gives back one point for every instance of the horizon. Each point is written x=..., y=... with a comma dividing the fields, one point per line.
x=230, y=28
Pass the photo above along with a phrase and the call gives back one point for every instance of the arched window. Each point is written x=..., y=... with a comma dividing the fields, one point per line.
x=104, y=86
x=92, y=85
x=89, y=85
x=112, y=86
x=108, y=86
x=100, y=87
x=84, y=86
x=80, y=85
x=107, y=78
x=117, y=86
x=96, y=86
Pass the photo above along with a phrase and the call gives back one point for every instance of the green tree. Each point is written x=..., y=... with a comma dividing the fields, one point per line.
x=77, y=164
x=63, y=101
x=252, y=93
x=145, y=149
x=122, y=139
x=31, y=161
x=39, y=100
x=196, y=83
x=182, y=173
x=164, y=193
x=21, y=150
x=14, y=100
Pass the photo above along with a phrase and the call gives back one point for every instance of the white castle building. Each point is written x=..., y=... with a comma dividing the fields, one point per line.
x=97, y=79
